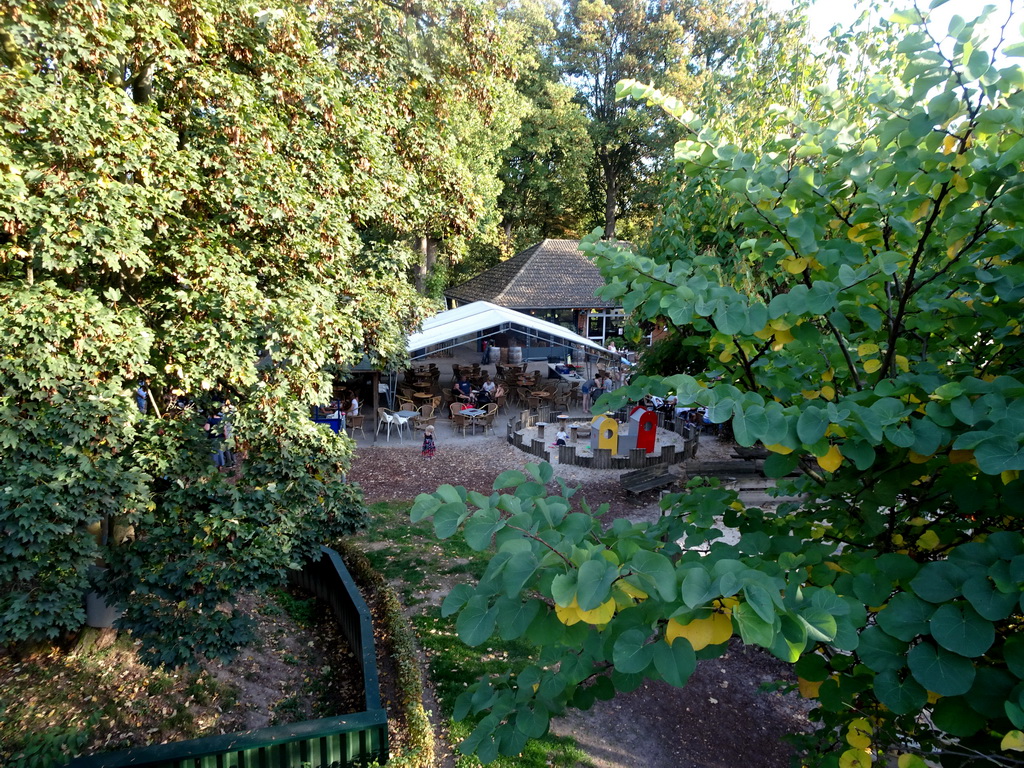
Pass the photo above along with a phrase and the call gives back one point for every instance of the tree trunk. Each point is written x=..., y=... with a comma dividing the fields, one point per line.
x=611, y=197
x=427, y=248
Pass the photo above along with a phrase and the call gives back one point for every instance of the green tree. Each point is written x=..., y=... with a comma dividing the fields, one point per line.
x=682, y=43
x=181, y=190
x=880, y=354
x=545, y=170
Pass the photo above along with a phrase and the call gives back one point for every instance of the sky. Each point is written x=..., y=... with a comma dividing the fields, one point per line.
x=825, y=13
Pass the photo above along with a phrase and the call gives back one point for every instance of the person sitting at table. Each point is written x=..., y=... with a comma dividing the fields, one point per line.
x=487, y=388
x=353, y=406
x=464, y=390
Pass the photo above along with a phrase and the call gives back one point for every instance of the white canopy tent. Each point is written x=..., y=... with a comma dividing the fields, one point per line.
x=463, y=325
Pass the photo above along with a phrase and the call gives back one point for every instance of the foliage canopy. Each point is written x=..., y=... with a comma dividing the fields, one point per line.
x=186, y=193
x=864, y=310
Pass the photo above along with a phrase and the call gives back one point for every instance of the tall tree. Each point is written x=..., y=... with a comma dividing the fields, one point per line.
x=545, y=170
x=184, y=191
x=603, y=41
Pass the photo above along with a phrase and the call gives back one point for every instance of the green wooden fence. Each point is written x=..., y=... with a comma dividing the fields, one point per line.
x=334, y=742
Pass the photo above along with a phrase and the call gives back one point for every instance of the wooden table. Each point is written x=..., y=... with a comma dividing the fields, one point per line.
x=423, y=395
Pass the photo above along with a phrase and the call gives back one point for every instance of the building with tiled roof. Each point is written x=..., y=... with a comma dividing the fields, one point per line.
x=552, y=280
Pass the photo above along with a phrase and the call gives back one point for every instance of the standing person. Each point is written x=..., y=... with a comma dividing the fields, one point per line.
x=428, y=442
x=141, y=396
x=586, y=389
x=228, y=454
x=215, y=433
x=486, y=349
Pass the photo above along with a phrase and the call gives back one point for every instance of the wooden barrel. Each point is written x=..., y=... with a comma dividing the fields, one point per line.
x=493, y=354
x=515, y=355
x=504, y=354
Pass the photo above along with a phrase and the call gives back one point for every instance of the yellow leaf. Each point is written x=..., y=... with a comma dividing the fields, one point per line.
x=961, y=457
x=834, y=430
x=897, y=539
x=921, y=210
x=917, y=458
x=725, y=357
x=569, y=614
x=960, y=183
x=830, y=461
x=855, y=758
x=910, y=761
x=948, y=145
x=780, y=324
x=765, y=333
x=928, y=540
x=600, y=615
x=828, y=375
x=632, y=591
x=779, y=448
x=933, y=697
x=1009, y=475
x=782, y=338
x=701, y=633
x=865, y=350
x=854, y=233
x=810, y=394
x=870, y=366
x=859, y=733
x=952, y=250
x=1013, y=740
x=794, y=264
x=829, y=393
x=808, y=689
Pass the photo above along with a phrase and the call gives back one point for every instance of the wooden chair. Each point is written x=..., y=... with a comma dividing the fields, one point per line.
x=425, y=418
x=487, y=420
x=354, y=423
x=458, y=420
x=522, y=396
x=406, y=405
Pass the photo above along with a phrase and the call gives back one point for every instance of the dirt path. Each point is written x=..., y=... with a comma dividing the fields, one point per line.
x=719, y=719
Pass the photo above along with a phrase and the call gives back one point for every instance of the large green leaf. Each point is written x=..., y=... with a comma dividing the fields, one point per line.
x=880, y=651
x=675, y=663
x=958, y=628
x=476, y=621
x=657, y=570
x=900, y=694
x=631, y=654
x=905, y=617
x=593, y=583
x=939, y=670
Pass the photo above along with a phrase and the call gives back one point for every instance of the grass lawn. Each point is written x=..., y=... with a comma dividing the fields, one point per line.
x=422, y=569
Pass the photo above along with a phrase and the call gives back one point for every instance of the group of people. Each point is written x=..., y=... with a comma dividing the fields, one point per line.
x=486, y=393
x=340, y=409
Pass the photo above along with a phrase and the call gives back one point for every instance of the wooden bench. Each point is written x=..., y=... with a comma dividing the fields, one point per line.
x=647, y=479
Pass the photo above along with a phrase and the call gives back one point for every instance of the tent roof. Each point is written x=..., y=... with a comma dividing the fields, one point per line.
x=470, y=319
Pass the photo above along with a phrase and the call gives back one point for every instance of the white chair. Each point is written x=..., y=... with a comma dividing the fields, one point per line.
x=384, y=416
x=400, y=421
